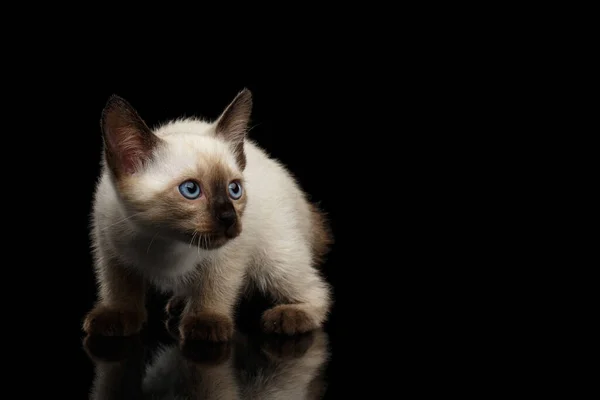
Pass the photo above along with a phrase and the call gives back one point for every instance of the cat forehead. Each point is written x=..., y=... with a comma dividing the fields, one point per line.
x=187, y=153
x=188, y=156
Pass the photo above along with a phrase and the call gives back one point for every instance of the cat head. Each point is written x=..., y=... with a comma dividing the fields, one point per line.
x=185, y=179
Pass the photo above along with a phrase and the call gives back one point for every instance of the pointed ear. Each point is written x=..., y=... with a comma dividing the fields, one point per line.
x=232, y=125
x=128, y=142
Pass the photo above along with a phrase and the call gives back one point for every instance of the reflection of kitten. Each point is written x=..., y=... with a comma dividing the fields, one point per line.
x=271, y=367
x=198, y=209
x=173, y=376
x=119, y=367
x=286, y=368
x=291, y=369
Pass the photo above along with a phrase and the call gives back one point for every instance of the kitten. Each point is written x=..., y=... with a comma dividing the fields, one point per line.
x=197, y=209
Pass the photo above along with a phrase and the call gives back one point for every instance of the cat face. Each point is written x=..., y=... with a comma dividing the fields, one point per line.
x=184, y=181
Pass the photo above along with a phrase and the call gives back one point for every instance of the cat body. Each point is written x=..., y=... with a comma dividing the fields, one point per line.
x=197, y=209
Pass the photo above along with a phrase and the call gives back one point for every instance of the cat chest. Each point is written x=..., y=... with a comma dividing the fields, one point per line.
x=159, y=261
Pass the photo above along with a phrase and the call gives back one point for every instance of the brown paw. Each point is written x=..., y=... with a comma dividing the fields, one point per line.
x=206, y=326
x=287, y=319
x=106, y=321
x=175, y=306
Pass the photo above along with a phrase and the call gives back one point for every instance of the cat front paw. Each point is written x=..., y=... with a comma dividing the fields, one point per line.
x=287, y=319
x=106, y=321
x=206, y=326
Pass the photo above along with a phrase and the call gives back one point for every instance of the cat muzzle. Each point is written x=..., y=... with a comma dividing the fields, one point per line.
x=228, y=222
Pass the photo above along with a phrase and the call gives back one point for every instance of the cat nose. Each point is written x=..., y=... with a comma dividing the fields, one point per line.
x=227, y=217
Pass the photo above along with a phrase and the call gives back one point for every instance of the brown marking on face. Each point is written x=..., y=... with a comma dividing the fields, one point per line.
x=206, y=326
x=227, y=211
x=233, y=123
x=322, y=237
x=287, y=319
x=201, y=221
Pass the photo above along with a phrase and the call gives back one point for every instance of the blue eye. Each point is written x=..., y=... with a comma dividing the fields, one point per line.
x=235, y=190
x=190, y=190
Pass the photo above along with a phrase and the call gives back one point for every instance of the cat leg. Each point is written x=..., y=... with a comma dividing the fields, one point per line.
x=174, y=309
x=120, y=309
x=208, y=314
x=303, y=300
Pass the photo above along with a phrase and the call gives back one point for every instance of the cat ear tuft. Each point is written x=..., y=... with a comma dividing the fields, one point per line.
x=128, y=142
x=232, y=125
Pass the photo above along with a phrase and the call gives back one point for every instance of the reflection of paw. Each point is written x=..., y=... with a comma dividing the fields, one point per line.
x=111, y=348
x=288, y=319
x=205, y=352
x=206, y=326
x=175, y=306
x=281, y=347
x=106, y=321
x=172, y=325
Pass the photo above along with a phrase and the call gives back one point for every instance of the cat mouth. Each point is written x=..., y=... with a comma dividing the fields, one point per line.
x=208, y=241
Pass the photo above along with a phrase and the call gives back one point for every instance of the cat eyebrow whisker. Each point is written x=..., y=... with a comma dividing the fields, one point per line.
x=253, y=126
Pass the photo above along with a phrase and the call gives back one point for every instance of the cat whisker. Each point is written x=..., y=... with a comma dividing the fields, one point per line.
x=124, y=219
x=193, y=236
x=199, y=241
x=153, y=237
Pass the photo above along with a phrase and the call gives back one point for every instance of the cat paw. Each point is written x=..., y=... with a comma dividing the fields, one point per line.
x=175, y=306
x=206, y=326
x=287, y=319
x=105, y=321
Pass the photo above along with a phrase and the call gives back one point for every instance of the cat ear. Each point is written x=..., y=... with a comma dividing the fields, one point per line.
x=128, y=142
x=232, y=125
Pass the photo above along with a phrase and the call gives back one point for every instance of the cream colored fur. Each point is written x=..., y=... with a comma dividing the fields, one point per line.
x=272, y=253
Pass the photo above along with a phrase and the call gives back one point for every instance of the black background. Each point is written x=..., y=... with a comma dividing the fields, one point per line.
x=314, y=128
x=390, y=119
x=358, y=137
x=363, y=140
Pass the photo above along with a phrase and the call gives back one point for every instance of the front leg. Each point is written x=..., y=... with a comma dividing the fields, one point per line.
x=303, y=300
x=120, y=310
x=208, y=314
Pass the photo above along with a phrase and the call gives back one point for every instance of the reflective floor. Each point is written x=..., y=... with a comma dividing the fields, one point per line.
x=249, y=367
x=156, y=365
